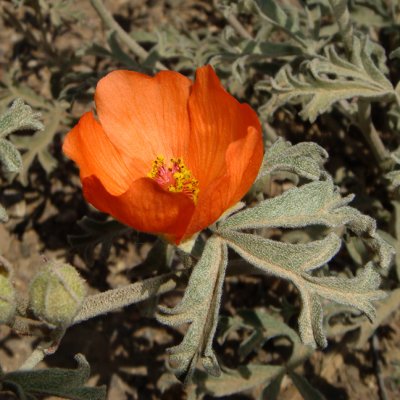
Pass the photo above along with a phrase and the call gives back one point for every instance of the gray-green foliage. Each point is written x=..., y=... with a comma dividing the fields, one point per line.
x=328, y=79
x=36, y=146
x=303, y=159
x=18, y=117
x=65, y=383
x=200, y=308
x=315, y=203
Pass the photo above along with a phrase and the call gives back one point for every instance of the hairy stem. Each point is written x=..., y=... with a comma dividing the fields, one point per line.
x=371, y=135
x=115, y=299
x=108, y=19
x=103, y=303
x=34, y=359
x=44, y=349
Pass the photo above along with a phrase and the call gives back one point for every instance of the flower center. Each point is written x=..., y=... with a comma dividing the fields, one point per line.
x=175, y=177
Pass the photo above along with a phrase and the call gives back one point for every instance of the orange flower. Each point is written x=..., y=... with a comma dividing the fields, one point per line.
x=168, y=155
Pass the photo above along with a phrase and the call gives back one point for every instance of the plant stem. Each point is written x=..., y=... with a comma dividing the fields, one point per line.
x=371, y=135
x=43, y=349
x=108, y=19
x=378, y=367
x=235, y=23
x=115, y=299
x=34, y=359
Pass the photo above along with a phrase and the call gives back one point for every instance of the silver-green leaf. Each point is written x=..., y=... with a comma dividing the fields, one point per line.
x=313, y=203
x=10, y=157
x=199, y=307
x=315, y=88
x=19, y=117
x=284, y=260
x=294, y=262
x=304, y=159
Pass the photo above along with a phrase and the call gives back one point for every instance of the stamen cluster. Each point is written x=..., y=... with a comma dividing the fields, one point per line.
x=175, y=178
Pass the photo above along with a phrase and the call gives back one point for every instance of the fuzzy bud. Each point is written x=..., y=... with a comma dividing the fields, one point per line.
x=56, y=293
x=7, y=299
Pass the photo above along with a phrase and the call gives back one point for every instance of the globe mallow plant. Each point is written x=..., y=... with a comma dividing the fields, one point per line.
x=174, y=157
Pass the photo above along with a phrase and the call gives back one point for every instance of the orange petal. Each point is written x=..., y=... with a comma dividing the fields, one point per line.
x=243, y=161
x=217, y=119
x=145, y=116
x=90, y=148
x=144, y=206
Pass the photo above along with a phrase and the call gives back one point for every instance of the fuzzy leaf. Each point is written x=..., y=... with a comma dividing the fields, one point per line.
x=293, y=262
x=60, y=382
x=304, y=159
x=10, y=157
x=37, y=145
x=19, y=117
x=282, y=259
x=316, y=203
x=199, y=307
x=317, y=90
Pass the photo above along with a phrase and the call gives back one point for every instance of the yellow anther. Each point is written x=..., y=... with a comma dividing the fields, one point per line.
x=175, y=177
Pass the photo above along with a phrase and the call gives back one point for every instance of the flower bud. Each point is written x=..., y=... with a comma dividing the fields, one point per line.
x=56, y=293
x=7, y=299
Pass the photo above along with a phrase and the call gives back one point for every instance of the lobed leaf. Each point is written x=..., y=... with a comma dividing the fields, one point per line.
x=19, y=117
x=315, y=203
x=304, y=159
x=326, y=80
x=284, y=260
x=293, y=262
x=199, y=307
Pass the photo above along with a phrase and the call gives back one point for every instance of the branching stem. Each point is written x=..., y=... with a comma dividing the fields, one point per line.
x=108, y=19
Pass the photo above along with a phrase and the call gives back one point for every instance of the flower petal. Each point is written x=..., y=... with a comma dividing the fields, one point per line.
x=145, y=116
x=217, y=119
x=243, y=161
x=144, y=206
x=90, y=148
